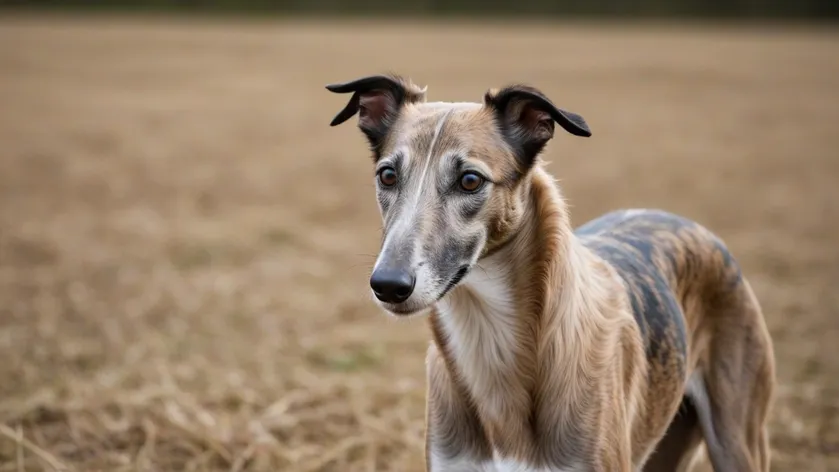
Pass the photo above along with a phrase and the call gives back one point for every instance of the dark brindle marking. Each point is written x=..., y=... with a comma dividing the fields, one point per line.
x=651, y=250
x=668, y=262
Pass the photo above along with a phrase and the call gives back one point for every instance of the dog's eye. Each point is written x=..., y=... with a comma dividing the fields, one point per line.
x=387, y=177
x=471, y=181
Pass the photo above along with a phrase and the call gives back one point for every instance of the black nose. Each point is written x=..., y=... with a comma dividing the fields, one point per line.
x=392, y=285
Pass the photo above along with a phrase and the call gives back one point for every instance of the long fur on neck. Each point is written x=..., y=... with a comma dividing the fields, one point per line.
x=516, y=334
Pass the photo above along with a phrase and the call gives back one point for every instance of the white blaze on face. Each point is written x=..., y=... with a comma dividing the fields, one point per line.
x=405, y=225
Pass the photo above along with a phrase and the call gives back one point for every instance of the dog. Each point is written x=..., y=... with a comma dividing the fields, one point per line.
x=627, y=344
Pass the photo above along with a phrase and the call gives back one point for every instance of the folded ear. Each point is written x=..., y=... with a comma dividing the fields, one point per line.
x=377, y=100
x=527, y=117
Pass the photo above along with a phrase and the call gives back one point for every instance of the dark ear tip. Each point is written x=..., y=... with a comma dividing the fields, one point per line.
x=576, y=124
x=585, y=131
x=333, y=87
x=340, y=118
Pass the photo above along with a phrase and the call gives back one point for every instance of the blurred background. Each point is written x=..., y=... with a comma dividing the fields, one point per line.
x=185, y=243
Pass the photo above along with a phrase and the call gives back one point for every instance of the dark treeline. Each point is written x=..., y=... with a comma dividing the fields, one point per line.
x=814, y=9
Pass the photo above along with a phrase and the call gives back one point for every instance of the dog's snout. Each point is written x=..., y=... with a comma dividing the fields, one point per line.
x=392, y=285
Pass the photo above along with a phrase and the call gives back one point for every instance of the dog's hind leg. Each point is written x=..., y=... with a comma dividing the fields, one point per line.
x=675, y=451
x=732, y=389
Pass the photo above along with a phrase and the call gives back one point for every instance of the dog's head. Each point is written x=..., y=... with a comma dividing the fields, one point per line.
x=450, y=178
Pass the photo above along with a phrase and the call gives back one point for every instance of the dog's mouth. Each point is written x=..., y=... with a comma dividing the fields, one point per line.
x=461, y=273
x=413, y=308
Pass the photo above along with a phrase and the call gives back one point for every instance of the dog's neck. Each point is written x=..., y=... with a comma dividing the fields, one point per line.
x=515, y=323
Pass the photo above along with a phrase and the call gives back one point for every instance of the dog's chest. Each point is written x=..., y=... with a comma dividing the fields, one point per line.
x=479, y=321
x=483, y=336
x=464, y=464
x=502, y=465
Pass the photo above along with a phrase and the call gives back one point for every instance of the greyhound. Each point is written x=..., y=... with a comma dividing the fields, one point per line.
x=627, y=344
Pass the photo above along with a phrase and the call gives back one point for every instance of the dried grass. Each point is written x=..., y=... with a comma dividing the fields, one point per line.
x=184, y=242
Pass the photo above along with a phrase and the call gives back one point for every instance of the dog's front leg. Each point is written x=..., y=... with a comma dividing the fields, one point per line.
x=612, y=456
x=454, y=438
x=617, y=460
x=614, y=442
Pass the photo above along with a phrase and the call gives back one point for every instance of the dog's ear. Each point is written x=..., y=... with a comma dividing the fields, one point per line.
x=526, y=117
x=377, y=100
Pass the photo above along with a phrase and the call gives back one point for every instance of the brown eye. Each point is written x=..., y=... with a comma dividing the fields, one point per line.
x=471, y=181
x=387, y=177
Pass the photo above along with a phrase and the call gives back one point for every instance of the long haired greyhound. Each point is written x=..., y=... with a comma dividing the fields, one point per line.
x=624, y=345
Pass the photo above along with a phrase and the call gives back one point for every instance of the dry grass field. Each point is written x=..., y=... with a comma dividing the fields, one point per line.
x=185, y=242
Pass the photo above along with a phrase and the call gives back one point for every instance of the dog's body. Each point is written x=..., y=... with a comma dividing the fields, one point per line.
x=699, y=320
x=618, y=347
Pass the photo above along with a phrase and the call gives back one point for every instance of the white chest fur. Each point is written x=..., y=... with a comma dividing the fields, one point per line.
x=502, y=465
x=498, y=465
x=478, y=318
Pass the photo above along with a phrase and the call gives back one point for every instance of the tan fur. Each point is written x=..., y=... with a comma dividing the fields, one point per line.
x=587, y=351
x=538, y=359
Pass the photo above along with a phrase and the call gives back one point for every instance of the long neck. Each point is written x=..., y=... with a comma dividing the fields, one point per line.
x=492, y=327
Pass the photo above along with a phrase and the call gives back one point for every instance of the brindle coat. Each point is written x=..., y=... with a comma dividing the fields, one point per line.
x=621, y=346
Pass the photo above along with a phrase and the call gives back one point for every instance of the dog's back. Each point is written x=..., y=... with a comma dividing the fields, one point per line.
x=666, y=261
x=697, y=315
